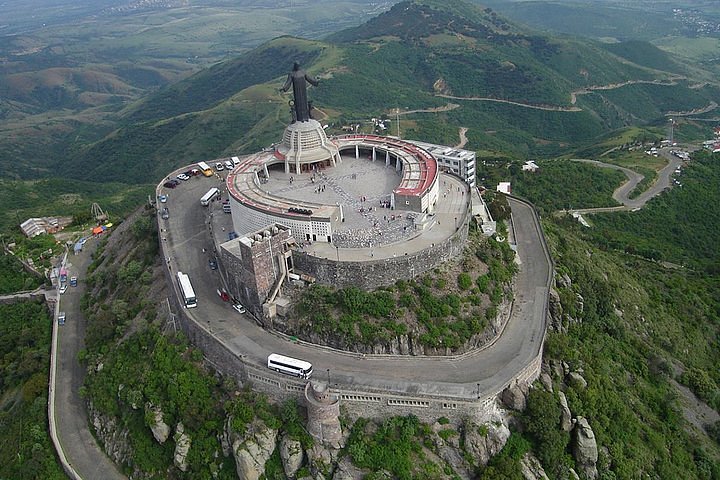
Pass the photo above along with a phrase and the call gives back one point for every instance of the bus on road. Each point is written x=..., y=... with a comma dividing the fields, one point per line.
x=205, y=169
x=207, y=198
x=289, y=366
x=186, y=290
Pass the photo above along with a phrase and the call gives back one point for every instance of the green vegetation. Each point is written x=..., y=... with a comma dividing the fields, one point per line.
x=562, y=184
x=679, y=227
x=429, y=310
x=63, y=197
x=143, y=369
x=638, y=322
x=14, y=277
x=396, y=446
x=25, y=333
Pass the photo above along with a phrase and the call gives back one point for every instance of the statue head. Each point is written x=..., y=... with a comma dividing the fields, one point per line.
x=296, y=67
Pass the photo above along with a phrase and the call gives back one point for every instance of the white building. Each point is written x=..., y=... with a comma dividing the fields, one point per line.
x=530, y=166
x=456, y=160
x=504, y=187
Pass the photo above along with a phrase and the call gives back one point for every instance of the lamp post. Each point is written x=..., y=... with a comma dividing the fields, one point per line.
x=328, y=376
x=478, y=391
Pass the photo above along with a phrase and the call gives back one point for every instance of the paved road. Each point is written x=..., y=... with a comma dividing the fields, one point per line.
x=81, y=449
x=187, y=234
x=621, y=194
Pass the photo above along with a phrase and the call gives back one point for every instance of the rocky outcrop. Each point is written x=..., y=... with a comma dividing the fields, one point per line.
x=484, y=441
x=585, y=449
x=576, y=380
x=565, y=416
x=160, y=429
x=291, y=454
x=546, y=382
x=347, y=471
x=252, y=450
x=513, y=397
x=112, y=438
x=556, y=312
x=182, y=447
x=531, y=468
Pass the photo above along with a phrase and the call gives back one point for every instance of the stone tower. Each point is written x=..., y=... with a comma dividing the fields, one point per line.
x=323, y=409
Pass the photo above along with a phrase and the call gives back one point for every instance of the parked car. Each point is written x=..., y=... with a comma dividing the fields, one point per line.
x=213, y=264
x=229, y=165
x=61, y=318
x=63, y=288
x=238, y=308
x=223, y=294
x=162, y=198
x=183, y=177
x=73, y=281
x=219, y=167
x=194, y=172
x=165, y=214
x=171, y=184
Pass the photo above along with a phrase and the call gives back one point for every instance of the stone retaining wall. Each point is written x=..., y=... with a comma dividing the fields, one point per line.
x=377, y=273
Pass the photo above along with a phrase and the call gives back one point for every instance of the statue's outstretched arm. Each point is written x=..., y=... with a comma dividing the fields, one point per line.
x=288, y=82
x=311, y=80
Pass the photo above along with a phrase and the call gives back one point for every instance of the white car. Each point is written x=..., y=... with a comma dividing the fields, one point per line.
x=229, y=165
x=61, y=318
x=162, y=198
x=63, y=288
x=219, y=167
x=239, y=308
x=183, y=177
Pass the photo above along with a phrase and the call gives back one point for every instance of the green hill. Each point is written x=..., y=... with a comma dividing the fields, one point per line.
x=517, y=91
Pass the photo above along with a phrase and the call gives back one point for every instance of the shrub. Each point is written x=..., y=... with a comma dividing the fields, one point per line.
x=464, y=281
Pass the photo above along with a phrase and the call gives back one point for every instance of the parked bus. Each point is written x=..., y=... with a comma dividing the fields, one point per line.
x=205, y=169
x=187, y=291
x=289, y=366
x=207, y=198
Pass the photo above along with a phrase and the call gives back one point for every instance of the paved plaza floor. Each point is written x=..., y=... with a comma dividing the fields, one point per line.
x=371, y=229
x=363, y=188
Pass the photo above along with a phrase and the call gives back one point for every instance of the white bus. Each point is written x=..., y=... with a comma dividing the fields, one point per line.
x=187, y=290
x=207, y=198
x=290, y=366
x=205, y=169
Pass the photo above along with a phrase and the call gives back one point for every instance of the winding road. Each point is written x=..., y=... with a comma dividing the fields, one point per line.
x=622, y=193
x=486, y=370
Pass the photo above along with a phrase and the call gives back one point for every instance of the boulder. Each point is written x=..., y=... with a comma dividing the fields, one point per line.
x=484, y=441
x=556, y=312
x=160, y=429
x=182, y=447
x=320, y=459
x=546, y=382
x=514, y=398
x=576, y=380
x=253, y=451
x=585, y=448
x=564, y=281
x=565, y=417
x=291, y=453
x=531, y=468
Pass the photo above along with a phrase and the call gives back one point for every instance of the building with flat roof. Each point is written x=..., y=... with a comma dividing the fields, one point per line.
x=451, y=159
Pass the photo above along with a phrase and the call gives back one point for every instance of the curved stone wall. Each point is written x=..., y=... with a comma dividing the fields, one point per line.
x=376, y=273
